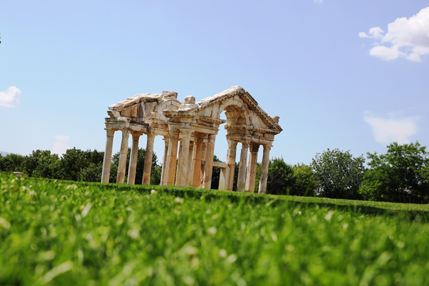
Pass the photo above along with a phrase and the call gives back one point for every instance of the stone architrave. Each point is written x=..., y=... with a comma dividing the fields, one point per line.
x=196, y=125
x=107, y=156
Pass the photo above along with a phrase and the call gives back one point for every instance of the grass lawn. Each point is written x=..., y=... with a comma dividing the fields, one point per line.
x=71, y=233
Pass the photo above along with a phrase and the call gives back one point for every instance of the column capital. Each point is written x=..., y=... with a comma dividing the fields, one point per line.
x=150, y=136
x=245, y=144
x=174, y=133
x=232, y=144
x=199, y=137
x=125, y=131
x=267, y=148
x=254, y=147
x=186, y=132
x=110, y=132
x=136, y=135
x=211, y=138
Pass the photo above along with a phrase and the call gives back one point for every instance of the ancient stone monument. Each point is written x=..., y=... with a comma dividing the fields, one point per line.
x=195, y=125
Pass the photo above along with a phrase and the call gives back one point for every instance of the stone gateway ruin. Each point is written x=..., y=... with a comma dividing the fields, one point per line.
x=195, y=125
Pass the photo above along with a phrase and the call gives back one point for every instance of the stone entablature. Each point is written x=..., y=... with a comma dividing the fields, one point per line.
x=195, y=125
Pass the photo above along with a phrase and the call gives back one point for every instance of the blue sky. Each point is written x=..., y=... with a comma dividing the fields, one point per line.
x=352, y=75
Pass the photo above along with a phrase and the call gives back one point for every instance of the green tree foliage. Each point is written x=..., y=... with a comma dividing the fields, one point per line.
x=215, y=174
x=47, y=164
x=280, y=177
x=11, y=163
x=400, y=175
x=305, y=182
x=72, y=162
x=339, y=174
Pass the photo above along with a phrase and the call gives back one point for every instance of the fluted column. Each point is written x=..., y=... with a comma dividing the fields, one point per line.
x=241, y=181
x=230, y=160
x=209, y=162
x=148, y=159
x=164, y=160
x=197, y=159
x=251, y=168
x=183, y=167
x=264, y=170
x=123, y=156
x=107, y=156
x=170, y=171
x=133, y=159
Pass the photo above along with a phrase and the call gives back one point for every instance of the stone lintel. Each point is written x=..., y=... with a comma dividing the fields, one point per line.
x=220, y=165
x=212, y=120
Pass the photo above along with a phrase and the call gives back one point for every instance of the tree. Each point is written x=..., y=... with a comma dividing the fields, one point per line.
x=305, y=182
x=72, y=162
x=41, y=163
x=339, y=174
x=11, y=163
x=280, y=177
x=400, y=175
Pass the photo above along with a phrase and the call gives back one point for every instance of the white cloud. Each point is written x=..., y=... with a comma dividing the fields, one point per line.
x=9, y=98
x=318, y=1
x=60, y=146
x=375, y=33
x=407, y=38
x=391, y=130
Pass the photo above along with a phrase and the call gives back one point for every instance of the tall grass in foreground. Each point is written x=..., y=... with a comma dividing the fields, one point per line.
x=63, y=233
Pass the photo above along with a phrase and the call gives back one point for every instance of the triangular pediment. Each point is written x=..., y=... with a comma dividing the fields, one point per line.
x=222, y=99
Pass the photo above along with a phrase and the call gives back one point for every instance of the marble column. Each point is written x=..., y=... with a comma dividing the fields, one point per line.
x=222, y=182
x=123, y=157
x=164, y=160
x=264, y=170
x=230, y=160
x=133, y=159
x=209, y=162
x=179, y=162
x=170, y=172
x=183, y=167
x=197, y=159
x=107, y=156
x=251, y=168
x=241, y=181
x=203, y=164
x=190, y=163
x=147, y=169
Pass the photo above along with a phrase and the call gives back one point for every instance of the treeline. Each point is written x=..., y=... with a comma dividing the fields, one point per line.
x=400, y=175
x=75, y=164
